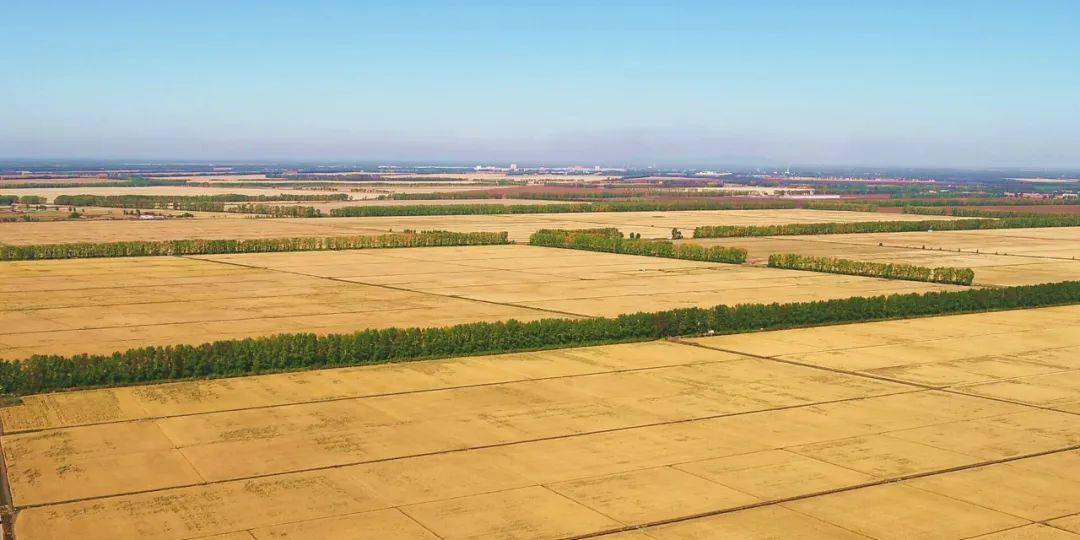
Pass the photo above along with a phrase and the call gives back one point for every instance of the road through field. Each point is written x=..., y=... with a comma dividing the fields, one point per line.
x=910, y=421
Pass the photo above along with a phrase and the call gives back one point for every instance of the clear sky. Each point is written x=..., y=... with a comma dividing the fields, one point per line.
x=962, y=83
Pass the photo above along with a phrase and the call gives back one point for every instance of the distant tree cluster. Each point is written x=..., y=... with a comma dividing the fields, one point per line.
x=941, y=274
x=1024, y=222
x=612, y=241
x=286, y=352
x=261, y=245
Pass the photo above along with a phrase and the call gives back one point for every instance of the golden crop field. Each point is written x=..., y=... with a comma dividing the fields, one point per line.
x=106, y=305
x=520, y=226
x=947, y=427
x=999, y=256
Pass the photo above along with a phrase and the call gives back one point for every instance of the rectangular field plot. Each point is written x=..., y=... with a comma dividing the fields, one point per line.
x=649, y=440
x=574, y=282
x=520, y=226
x=106, y=305
x=999, y=257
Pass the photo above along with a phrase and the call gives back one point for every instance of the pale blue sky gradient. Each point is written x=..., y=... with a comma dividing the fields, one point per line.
x=960, y=83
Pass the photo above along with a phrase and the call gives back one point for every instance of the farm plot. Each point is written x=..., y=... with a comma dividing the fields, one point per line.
x=574, y=282
x=520, y=226
x=662, y=439
x=104, y=305
x=1002, y=258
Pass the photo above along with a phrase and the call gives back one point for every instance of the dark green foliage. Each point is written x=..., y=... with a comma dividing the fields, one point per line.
x=262, y=245
x=276, y=210
x=842, y=206
x=568, y=208
x=1043, y=220
x=927, y=210
x=612, y=241
x=941, y=274
x=963, y=211
x=32, y=199
x=282, y=352
x=9, y=199
x=978, y=201
x=206, y=203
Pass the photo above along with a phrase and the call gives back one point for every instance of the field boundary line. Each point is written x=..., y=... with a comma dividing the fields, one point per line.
x=883, y=481
x=472, y=448
x=364, y=396
x=947, y=389
x=391, y=287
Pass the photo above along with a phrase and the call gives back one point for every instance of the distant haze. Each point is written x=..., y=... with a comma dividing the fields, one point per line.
x=965, y=84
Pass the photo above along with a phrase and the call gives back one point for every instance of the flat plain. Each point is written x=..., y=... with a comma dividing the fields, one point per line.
x=520, y=226
x=915, y=423
x=106, y=305
x=1000, y=257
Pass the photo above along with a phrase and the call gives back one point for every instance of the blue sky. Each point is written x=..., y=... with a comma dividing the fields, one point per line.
x=812, y=82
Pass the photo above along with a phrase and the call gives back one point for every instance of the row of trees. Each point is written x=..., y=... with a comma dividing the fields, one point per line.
x=842, y=206
x=25, y=199
x=941, y=274
x=1021, y=222
x=963, y=211
x=612, y=206
x=612, y=241
x=977, y=201
x=285, y=352
x=261, y=245
x=583, y=194
x=276, y=210
x=183, y=202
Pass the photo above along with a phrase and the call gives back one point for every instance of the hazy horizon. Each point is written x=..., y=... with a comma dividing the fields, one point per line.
x=917, y=84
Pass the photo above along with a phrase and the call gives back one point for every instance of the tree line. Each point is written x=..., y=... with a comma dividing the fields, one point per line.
x=287, y=352
x=276, y=210
x=842, y=206
x=177, y=202
x=963, y=211
x=1022, y=222
x=557, y=208
x=977, y=201
x=612, y=241
x=25, y=199
x=259, y=245
x=569, y=195
x=941, y=274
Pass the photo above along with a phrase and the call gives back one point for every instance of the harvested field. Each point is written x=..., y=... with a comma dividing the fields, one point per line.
x=777, y=434
x=104, y=305
x=649, y=224
x=999, y=257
